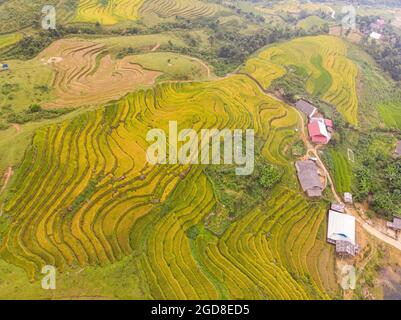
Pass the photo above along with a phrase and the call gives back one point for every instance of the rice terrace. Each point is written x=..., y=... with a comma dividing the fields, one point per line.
x=84, y=212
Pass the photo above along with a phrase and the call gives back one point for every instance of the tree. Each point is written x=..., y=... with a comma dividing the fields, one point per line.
x=34, y=108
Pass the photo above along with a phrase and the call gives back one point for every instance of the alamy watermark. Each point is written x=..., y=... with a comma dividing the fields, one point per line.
x=348, y=22
x=49, y=280
x=49, y=17
x=189, y=147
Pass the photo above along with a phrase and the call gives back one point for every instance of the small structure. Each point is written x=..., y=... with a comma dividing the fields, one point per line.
x=395, y=225
x=306, y=107
x=397, y=151
x=348, y=198
x=339, y=207
x=375, y=35
x=309, y=178
x=378, y=25
x=341, y=232
x=319, y=130
x=4, y=67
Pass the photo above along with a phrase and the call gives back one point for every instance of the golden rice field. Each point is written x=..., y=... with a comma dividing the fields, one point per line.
x=9, y=39
x=85, y=196
x=183, y=8
x=107, y=12
x=331, y=75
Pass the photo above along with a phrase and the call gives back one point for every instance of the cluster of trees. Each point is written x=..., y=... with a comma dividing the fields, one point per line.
x=229, y=46
x=29, y=46
x=34, y=113
x=387, y=51
x=377, y=179
x=239, y=194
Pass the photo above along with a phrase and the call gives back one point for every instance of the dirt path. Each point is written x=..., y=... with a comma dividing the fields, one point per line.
x=203, y=64
x=157, y=46
x=7, y=176
x=17, y=127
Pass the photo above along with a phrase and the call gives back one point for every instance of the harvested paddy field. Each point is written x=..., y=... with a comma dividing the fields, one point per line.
x=86, y=74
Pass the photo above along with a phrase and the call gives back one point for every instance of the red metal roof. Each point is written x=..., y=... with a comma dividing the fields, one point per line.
x=315, y=134
x=328, y=123
x=314, y=129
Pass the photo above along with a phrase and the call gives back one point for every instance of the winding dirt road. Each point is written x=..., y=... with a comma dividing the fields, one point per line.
x=7, y=176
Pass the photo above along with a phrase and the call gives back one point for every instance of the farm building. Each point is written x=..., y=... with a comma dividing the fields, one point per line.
x=395, y=224
x=319, y=130
x=339, y=207
x=4, y=67
x=348, y=198
x=375, y=35
x=397, y=151
x=306, y=107
x=309, y=178
x=341, y=232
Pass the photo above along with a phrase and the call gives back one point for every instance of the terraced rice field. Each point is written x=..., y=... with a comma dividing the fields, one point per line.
x=86, y=74
x=183, y=8
x=331, y=75
x=107, y=12
x=9, y=39
x=84, y=195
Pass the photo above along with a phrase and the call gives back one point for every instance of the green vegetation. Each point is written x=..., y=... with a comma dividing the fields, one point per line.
x=311, y=22
x=35, y=113
x=173, y=66
x=377, y=175
x=339, y=164
x=237, y=195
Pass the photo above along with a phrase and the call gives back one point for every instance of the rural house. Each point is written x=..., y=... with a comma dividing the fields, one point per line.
x=375, y=35
x=341, y=232
x=309, y=178
x=319, y=130
x=339, y=207
x=348, y=198
x=395, y=225
x=306, y=107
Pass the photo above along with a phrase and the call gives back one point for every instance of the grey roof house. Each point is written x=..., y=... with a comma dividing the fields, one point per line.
x=306, y=107
x=309, y=178
x=396, y=224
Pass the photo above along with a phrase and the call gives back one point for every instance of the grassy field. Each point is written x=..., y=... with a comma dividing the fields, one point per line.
x=331, y=75
x=311, y=22
x=391, y=114
x=26, y=82
x=172, y=65
x=113, y=207
x=107, y=12
x=379, y=96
